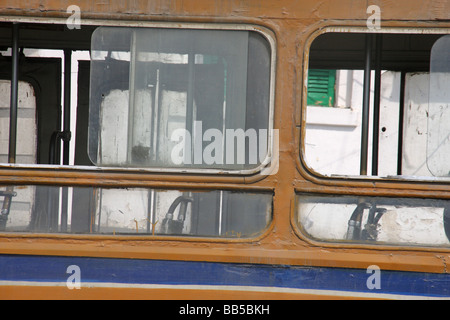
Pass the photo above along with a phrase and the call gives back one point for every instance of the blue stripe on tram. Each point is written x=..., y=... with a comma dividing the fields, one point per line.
x=159, y=272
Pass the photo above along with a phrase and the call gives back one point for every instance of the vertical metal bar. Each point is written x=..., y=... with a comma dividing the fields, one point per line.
x=151, y=217
x=6, y=207
x=190, y=92
x=100, y=204
x=220, y=213
x=132, y=93
x=400, y=123
x=67, y=107
x=190, y=104
x=66, y=133
x=14, y=95
x=366, y=106
x=376, y=105
x=155, y=118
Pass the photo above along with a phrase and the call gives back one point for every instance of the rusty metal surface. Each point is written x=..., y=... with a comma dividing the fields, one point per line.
x=292, y=22
x=281, y=9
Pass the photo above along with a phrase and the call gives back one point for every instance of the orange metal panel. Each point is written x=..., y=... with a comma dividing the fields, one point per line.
x=292, y=23
x=62, y=293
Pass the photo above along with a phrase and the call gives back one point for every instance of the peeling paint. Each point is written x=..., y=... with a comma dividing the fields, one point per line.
x=444, y=262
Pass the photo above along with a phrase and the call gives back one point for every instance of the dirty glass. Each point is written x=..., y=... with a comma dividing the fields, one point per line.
x=375, y=220
x=144, y=212
x=438, y=151
x=408, y=135
x=179, y=98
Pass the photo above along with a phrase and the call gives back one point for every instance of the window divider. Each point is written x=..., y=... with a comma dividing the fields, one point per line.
x=366, y=105
x=400, y=123
x=376, y=105
x=14, y=94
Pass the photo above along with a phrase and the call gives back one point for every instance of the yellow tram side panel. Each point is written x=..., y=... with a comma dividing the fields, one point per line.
x=292, y=23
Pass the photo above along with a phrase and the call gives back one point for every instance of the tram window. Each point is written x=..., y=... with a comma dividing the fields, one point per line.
x=140, y=212
x=169, y=98
x=375, y=220
x=401, y=130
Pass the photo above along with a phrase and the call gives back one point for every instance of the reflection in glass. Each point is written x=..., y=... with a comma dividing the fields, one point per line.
x=150, y=84
x=377, y=220
x=409, y=130
x=438, y=152
x=226, y=214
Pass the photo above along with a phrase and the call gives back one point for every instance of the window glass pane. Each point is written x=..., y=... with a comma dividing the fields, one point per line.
x=375, y=220
x=174, y=98
x=408, y=136
x=438, y=159
x=224, y=214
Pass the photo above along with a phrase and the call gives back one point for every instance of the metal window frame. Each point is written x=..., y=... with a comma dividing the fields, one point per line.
x=268, y=35
x=370, y=34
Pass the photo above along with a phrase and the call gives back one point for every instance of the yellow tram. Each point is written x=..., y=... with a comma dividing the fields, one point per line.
x=226, y=149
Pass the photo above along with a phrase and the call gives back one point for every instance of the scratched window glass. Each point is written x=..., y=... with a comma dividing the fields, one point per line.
x=438, y=159
x=378, y=105
x=375, y=220
x=225, y=214
x=168, y=98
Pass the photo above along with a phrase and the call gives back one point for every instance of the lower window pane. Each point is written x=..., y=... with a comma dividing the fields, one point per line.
x=42, y=209
x=397, y=221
